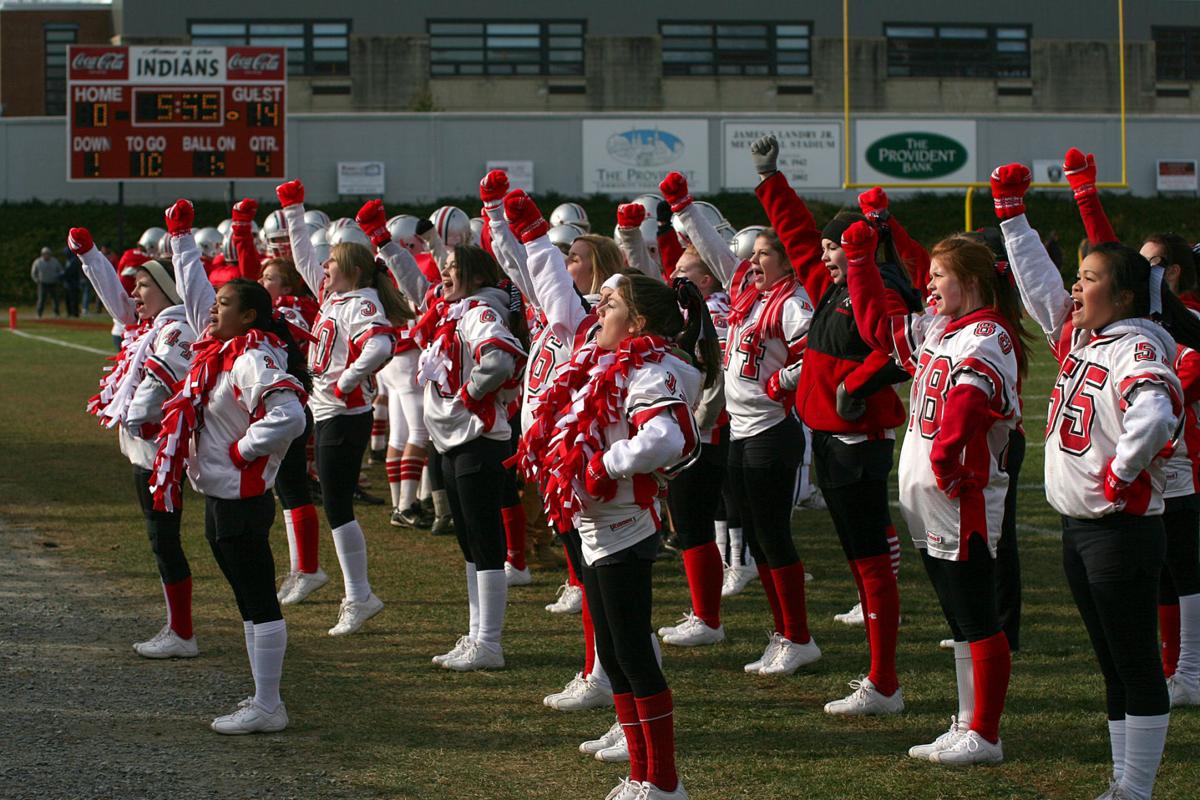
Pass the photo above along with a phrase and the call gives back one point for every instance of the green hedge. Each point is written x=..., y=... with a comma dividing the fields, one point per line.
x=26, y=227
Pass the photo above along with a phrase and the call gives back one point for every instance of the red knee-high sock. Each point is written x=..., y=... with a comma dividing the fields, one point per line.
x=179, y=606
x=514, y=534
x=627, y=715
x=1168, y=630
x=657, y=714
x=862, y=594
x=768, y=584
x=589, y=640
x=789, y=585
x=881, y=610
x=308, y=539
x=991, y=664
x=572, y=578
x=705, y=571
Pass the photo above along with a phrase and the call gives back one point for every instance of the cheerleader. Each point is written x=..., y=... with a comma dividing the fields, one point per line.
x=354, y=338
x=1115, y=405
x=617, y=420
x=768, y=324
x=156, y=350
x=231, y=422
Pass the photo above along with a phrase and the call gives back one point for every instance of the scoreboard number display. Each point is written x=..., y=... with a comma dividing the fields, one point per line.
x=176, y=113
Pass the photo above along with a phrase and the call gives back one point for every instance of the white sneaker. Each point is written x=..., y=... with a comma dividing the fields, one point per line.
x=768, y=654
x=618, y=753
x=454, y=652
x=1115, y=792
x=569, y=601
x=475, y=656
x=252, y=718
x=614, y=735
x=167, y=644
x=791, y=656
x=625, y=790
x=866, y=699
x=970, y=748
x=679, y=623
x=285, y=588
x=571, y=687
x=517, y=577
x=852, y=617
x=352, y=615
x=808, y=577
x=587, y=693
x=652, y=792
x=1183, y=692
x=946, y=644
x=736, y=579
x=947, y=739
x=305, y=584
x=694, y=632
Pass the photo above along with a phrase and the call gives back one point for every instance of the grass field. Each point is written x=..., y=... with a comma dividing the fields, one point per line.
x=371, y=706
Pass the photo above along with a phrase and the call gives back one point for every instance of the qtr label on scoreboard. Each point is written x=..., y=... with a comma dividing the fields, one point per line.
x=176, y=113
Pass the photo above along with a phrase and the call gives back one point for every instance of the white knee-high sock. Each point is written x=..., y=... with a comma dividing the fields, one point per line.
x=424, y=491
x=737, y=543
x=351, y=548
x=248, y=627
x=598, y=674
x=493, y=597
x=293, y=551
x=964, y=673
x=657, y=649
x=722, y=529
x=270, y=643
x=472, y=601
x=1189, y=638
x=1116, y=741
x=1144, y=740
x=441, y=503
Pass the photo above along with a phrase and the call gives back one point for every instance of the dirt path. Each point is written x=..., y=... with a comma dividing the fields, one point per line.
x=82, y=717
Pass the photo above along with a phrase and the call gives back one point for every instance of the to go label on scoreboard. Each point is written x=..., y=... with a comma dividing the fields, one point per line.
x=176, y=113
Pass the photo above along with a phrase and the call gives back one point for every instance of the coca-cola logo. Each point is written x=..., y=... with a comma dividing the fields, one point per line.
x=260, y=62
x=102, y=62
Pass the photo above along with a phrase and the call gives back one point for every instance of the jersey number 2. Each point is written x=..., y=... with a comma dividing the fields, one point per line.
x=1072, y=413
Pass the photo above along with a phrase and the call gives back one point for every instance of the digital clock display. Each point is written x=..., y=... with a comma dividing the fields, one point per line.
x=177, y=107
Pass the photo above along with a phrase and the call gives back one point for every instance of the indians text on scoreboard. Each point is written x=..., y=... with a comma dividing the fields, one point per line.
x=147, y=113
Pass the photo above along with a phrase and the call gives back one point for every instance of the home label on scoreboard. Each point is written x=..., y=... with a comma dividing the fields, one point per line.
x=176, y=113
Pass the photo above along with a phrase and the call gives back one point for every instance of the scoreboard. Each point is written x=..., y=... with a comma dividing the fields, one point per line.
x=177, y=113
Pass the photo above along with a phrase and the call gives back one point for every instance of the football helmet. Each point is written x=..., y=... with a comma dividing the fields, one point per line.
x=227, y=248
x=151, y=240
x=320, y=245
x=563, y=236
x=571, y=214
x=209, y=242
x=316, y=218
x=403, y=228
x=452, y=224
x=477, y=224
x=350, y=233
x=743, y=241
x=275, y=235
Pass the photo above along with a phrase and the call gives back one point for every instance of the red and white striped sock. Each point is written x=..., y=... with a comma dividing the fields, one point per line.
x=894, y=549
x=395, y=471
x=308, y=536
x=379, y=429
x=411, y=468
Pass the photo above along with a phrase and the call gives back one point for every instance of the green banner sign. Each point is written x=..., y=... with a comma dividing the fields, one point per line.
x=917, y=155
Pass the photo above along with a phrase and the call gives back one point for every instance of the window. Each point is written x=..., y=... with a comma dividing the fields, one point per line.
x=1177, y=53
x=56, y=38
x=509, y=47
x=920, y=50
x=314, y=47
x=736, y=48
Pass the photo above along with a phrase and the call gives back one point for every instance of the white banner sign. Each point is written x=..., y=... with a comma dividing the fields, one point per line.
x=177, y=65
x=1177, y=176
x=810, y=153
x=520, y=173
x=630, y=156
x=915, y=151
x=361, y=177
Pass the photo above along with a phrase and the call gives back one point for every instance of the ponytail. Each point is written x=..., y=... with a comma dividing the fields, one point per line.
x=1179, y=320
x=1131, y=272
x=297, y=365
x=396, y=306
x=699, y=331
x=253, y=297
x=663, y=308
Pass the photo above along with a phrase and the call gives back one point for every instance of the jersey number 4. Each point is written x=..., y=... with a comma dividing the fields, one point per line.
x=753, y=352
x=1073, y=404
x=326, y=334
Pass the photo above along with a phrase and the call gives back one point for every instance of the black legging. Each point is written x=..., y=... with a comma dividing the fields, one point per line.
x=1181, y=572
x=341, y=442
x=237, y=531
x=1113, y=566
x=291, y=482
x=694, y=495
x=853, y=479
x=162, y=528
x=762, y=478
x=475, y=480
x=1008, y=560
x=619, y=598
x=970, y=612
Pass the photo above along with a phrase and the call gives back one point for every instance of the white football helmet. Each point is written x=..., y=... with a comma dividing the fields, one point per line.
x=316, y=218
x=227, y=248
x=743, y=241
x=711, y=213
x=151, y=240
x=563, y=236
x=350, y=233
x=477, y=224
x=333, y=226
x=275, y=235
x=650, y=201
x=727, y=231
x=452, y=224
x=320, y=245
x=571, y=214
x=403, y=228
x=209, y=242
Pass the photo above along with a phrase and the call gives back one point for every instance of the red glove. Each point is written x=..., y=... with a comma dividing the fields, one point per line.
x=290, y=193
x=524, y=217
x=955, y=480
x=79, y=240
x=1009, y=184
x=1131, y=497
x=236, y=457
x=776, y=392
x=493, y=187
x=630, y=215
x=859, y=241
x=180, y=217
x=244, y=210
x=645, y=489
x=372, y=218
x=874, y=204
x=597, y=481
x=1081, y=172
x=484, y=407
x=675, y=189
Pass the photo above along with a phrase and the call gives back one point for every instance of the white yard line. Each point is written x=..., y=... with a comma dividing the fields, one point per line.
x=61, y=343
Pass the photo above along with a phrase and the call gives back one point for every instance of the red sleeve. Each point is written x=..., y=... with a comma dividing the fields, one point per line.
x=965, y=415
x=913, y=254
x=1095, y=221
x=869, y=300
x=247, y=253
x=1187, y=367
x=797, y=229
x=669, y=251
x=486, y=238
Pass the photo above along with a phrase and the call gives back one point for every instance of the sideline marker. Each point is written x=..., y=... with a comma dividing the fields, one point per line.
x=12, y=318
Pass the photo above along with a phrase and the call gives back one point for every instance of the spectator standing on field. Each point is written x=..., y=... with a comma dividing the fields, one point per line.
x=72, y=277
x=47, y=273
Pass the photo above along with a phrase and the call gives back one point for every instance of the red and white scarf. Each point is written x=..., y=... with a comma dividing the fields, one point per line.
x=183, y=414
x=438, y=329
x=568, y=427
x=121, y=380
x=770, y=320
